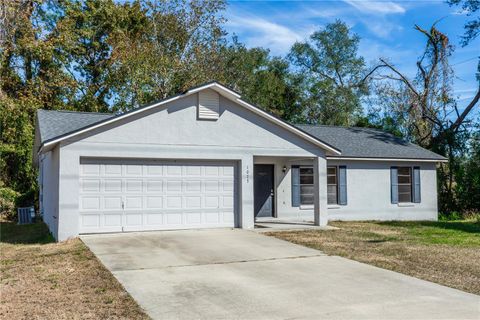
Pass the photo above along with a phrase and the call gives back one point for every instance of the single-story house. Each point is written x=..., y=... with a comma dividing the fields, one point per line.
x=206, y=158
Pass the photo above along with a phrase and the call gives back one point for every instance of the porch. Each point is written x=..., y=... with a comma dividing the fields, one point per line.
x=290, y=192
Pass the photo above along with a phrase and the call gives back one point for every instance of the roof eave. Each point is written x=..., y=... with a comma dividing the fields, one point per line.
x=387, y=159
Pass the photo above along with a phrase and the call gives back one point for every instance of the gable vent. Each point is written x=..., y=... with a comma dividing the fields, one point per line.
x=208, y=105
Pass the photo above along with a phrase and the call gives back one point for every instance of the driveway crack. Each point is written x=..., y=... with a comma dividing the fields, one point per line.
x=223, y=263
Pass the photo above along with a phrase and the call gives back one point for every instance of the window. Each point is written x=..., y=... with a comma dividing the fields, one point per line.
x=306, y=185
x=332, y=185
x=404, y=184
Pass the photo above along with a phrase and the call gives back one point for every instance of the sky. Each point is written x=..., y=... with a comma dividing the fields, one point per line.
x=385, y=28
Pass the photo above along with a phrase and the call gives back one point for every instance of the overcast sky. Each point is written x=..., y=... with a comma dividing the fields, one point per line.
x=385, y=28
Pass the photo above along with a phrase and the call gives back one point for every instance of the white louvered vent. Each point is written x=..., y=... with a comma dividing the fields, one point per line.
x=208, y=105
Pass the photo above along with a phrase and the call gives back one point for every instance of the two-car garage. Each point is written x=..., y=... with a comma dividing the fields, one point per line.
x=136, y=195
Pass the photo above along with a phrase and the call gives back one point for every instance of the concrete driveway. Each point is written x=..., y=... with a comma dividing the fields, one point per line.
x=237, y=274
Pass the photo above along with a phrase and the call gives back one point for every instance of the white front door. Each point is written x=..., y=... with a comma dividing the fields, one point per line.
x=126, y=195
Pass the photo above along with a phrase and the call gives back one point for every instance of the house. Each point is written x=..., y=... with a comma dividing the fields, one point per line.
x=206, y=159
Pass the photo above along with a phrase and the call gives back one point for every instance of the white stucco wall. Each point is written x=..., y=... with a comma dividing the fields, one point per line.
x=174, y=132
x=49, y=167
x=368, y=192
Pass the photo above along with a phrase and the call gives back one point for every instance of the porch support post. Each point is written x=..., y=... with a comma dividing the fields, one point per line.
x=320, y=191
x=246, y=219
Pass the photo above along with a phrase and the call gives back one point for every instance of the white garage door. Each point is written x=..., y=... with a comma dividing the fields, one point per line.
x=118, y=195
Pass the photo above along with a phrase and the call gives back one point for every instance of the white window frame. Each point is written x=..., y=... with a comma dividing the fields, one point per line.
x=410, y=184
x=336, y=184
x=306, y=205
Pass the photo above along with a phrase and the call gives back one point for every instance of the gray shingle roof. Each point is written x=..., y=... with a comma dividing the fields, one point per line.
x=358, y=142
x=352, y=141
x=53, y=124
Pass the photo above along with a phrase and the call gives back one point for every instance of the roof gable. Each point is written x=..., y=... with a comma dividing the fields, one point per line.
x=50, y=139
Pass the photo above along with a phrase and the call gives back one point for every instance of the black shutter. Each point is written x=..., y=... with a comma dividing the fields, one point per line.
x=416, y=185
x=295, y=186
x=342, y=185
x=394, y=184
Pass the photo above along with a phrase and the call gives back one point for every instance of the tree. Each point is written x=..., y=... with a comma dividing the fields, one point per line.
x=467, y=187
x=175, y=48
x=262, y=80
x=333, y=75
x=472, y=27
x=425, y=108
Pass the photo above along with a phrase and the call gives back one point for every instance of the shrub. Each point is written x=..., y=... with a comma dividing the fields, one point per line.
x=8, y=200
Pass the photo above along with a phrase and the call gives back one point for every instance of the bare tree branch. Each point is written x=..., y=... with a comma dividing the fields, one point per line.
x=465, y=112
x=404, y=79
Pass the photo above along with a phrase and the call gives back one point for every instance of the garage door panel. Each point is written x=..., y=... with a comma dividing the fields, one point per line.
x=113, y=219
x=133, y=186
x=154, y=202
x=112, y=170
x=112, y=202
x=112, y=185
x=153, y=186
x=90, y=203
x=90, y=185
x=173, y=171
x=174, y=186
x=121, y=195
x=90, y=170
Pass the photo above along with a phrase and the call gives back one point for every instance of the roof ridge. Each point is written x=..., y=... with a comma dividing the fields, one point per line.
x=82, y=112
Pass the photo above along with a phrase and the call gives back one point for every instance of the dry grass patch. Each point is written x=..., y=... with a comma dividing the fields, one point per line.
x=41, y=279
x=447, y=253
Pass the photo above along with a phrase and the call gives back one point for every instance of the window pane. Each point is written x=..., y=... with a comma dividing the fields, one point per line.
x=404, y=197
x=404, y=179
x=332, y=170
x=404, y=171
x=404, y=188
x=306, y=199
x=306, y=179
x=332, y=199
x=306, y=170
x=306, y=190
x=332, y=179
x=332, y=194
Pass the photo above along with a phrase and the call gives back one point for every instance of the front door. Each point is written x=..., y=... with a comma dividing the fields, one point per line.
x=263, y=188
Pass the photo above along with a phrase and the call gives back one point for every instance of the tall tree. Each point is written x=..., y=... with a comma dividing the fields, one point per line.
x=177, y=47
x=333, y=75
x=263, y=80
x=425, y=107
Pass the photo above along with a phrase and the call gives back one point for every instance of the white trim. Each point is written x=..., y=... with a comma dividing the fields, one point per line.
x=288, y=127
x=214, y=86
x=406, y=204
x=306, y=207
x=333, y=206
x=218, y=88
x=385, y=159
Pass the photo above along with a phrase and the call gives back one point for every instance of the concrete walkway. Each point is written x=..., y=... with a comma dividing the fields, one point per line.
x=237, y=274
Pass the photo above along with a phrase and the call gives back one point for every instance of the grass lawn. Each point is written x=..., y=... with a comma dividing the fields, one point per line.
x=41, y=279
x=447, y=253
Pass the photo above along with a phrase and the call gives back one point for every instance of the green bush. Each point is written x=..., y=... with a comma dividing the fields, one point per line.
x=455, y=215
x=26, y=199
x=8, y=200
